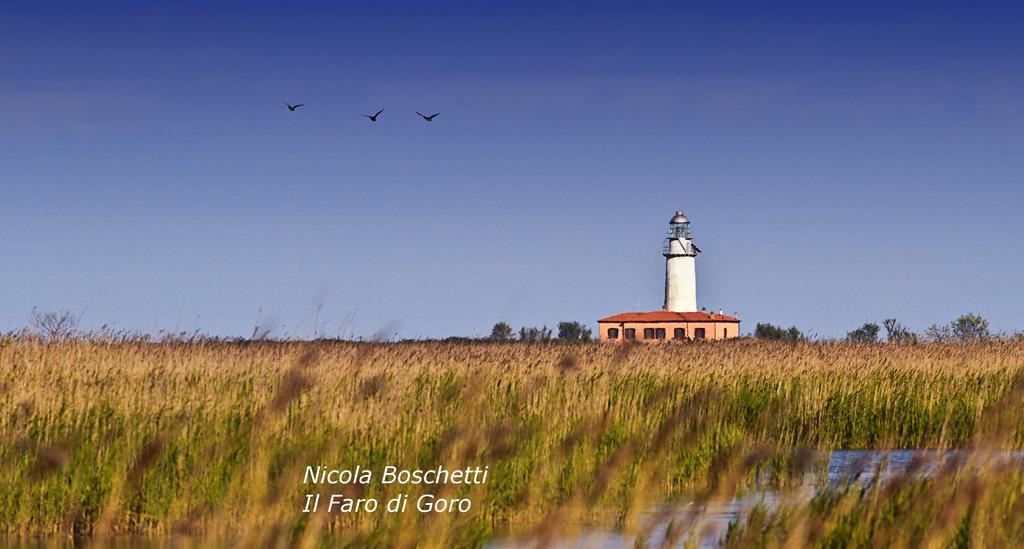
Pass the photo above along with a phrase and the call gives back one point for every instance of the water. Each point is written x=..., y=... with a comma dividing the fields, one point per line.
x=711, y=519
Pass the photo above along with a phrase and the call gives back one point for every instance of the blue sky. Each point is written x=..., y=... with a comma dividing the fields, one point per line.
x=840, y=164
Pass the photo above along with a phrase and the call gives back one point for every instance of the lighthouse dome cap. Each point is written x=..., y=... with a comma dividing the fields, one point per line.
x=679, y=218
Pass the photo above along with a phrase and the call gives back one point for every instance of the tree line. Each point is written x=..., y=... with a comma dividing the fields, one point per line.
x=966, y=328
x=567, y=331
x=56, y=326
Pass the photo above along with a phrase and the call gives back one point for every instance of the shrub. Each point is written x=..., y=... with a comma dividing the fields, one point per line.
x=53, y=326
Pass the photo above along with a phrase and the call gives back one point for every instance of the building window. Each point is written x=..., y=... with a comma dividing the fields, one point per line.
x=725, y=333
x=698, y=333
x=648, y=333
x=659, y=333
x=613, y=333
x=630, y=333
x=679, y=333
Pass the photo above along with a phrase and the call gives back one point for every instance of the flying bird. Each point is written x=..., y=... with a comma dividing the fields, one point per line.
x=428, y=118
x=293, y=107
x=374, y=117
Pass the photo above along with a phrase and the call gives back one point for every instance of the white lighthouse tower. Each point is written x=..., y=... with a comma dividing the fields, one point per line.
x=680, y=266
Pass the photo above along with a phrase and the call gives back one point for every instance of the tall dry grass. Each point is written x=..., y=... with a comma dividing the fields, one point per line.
x=207, y=441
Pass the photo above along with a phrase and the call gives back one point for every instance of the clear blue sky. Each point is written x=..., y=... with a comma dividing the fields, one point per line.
x=840, y=164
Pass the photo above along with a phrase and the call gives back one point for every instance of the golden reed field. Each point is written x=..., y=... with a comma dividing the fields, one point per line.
x=207, y=442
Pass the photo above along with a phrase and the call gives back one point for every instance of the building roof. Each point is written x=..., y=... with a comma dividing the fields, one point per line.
x=669, y=316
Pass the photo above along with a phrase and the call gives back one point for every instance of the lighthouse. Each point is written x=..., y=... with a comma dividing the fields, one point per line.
x=678, y=320
x=680, y=266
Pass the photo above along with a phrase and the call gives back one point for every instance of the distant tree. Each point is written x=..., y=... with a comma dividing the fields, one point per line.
x=897, y=333
x=938, y=333
x=868, y=333
x=53, y=326
x=534, y=335
x=574, y=331
x=764, y=330
x=970, y=327
x=449, y=339
x=501, y=331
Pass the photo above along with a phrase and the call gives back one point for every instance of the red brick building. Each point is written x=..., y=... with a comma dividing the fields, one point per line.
x=662, y=326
